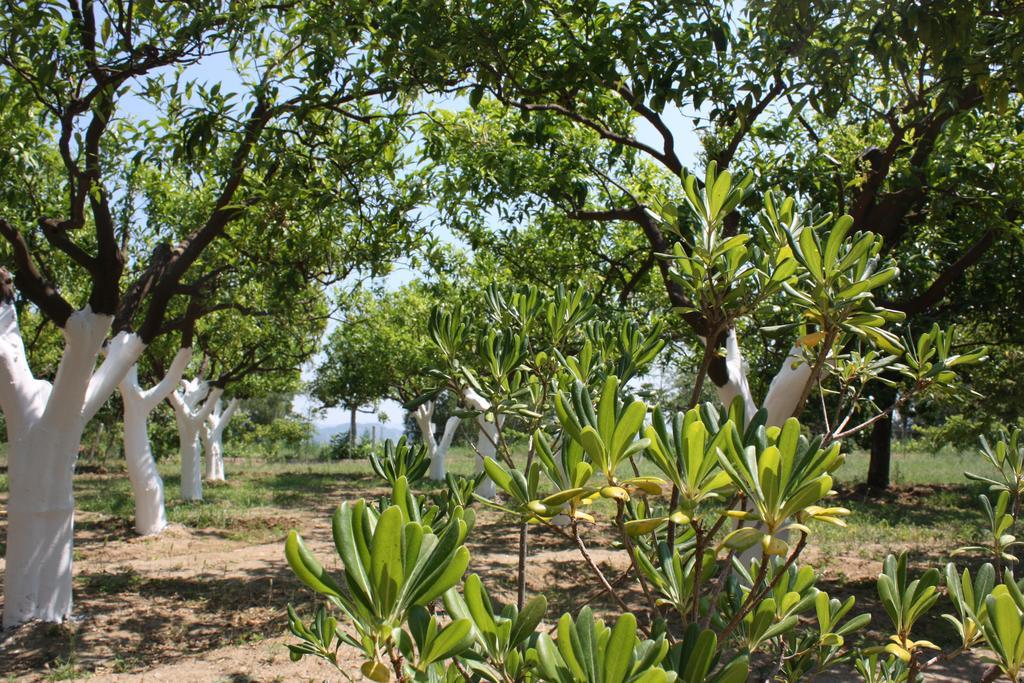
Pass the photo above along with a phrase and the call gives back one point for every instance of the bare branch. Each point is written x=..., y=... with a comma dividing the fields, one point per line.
x=31, y=282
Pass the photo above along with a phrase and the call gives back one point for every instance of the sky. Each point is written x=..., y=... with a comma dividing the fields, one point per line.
x=218, y=68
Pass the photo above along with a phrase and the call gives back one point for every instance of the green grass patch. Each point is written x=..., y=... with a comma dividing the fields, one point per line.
x=932, y=506
x=228, y=506
x=915, y=467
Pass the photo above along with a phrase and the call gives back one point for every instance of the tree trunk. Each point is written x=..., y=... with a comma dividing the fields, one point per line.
x=44, y=426
x=40, y=524
x=881, y=454
x=147, y=484
x=191, y=477
x=212, y=436
x=423, y=416
x=190, y=418
x=734, y=384
x=783, y=397
x=352, y=428
x=486, y=440
x=437, y=460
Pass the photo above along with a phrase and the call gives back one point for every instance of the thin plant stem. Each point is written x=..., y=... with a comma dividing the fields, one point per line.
x=717, y=590
x=524, y=531
x=702, y=373
x=594, y=568
x=620, y=519
x=673, y=501
x=614, y=582
x=398, y=666
x=521, y=568
x=819, y=363
x=698, y=569
x=757, y=595
x=727, y=569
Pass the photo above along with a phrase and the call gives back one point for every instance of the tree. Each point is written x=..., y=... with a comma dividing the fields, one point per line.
x=147, y=484
x=212, y=437
x=85, y=262
x=192, y=404
x=377, y=351
x=358, y=368
x=268, y=426
x=254, y=347
x=586, y=77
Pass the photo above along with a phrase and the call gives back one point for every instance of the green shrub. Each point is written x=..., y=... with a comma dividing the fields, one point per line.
x=340, y=447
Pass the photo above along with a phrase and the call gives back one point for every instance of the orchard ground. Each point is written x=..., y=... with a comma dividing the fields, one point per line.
x=205, y=601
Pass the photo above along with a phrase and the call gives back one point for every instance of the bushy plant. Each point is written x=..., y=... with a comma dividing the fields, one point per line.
x=400, y=460
x=340, y=447
x=714, y=542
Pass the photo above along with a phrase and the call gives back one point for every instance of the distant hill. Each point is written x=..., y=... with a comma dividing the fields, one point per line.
x=325, y=432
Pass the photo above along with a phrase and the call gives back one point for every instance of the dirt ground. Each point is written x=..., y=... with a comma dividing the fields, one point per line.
x=200, y=605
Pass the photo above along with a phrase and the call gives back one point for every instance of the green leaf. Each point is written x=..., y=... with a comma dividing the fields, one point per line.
x=386, y=571
x=628, y=427
x=307, y=569
x=591, y=442
x=453, y=639
x=606, y=409
x=618, y=655
x=735, y=671
x=809, y=251
x=498, y=474
x=528, y=620
x=835, y=239
x=480, y=607
x=475, y=96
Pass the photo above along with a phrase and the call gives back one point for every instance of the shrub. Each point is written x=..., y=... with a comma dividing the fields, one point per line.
x=714, y=542
x=340, y=447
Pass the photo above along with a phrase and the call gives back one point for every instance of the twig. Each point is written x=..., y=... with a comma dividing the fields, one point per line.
x=597, y=570
x=397, y=665
x=757, y=595
x=630, y=550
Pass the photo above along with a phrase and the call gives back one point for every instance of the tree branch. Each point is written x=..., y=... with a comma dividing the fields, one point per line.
x=937, y=289
x=669, y=157
x=31, y=282
x=597, y=126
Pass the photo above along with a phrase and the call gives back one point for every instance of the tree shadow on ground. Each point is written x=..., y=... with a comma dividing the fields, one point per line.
x=124, y=616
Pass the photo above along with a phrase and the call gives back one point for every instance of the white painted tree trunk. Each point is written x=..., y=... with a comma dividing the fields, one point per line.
x=737, y=384
x=423, y=416
x=190, y=415
x=437, y=461
x=212, y=436
x=486, y=440
x=147, y=485
x=787, y=386
x=44, y=427
x=783, y=393
x=780, y=401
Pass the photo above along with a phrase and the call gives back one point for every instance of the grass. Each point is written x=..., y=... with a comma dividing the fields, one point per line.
x=914, y=467
x=66, y=669
x=951, y=514
x=226, y=506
